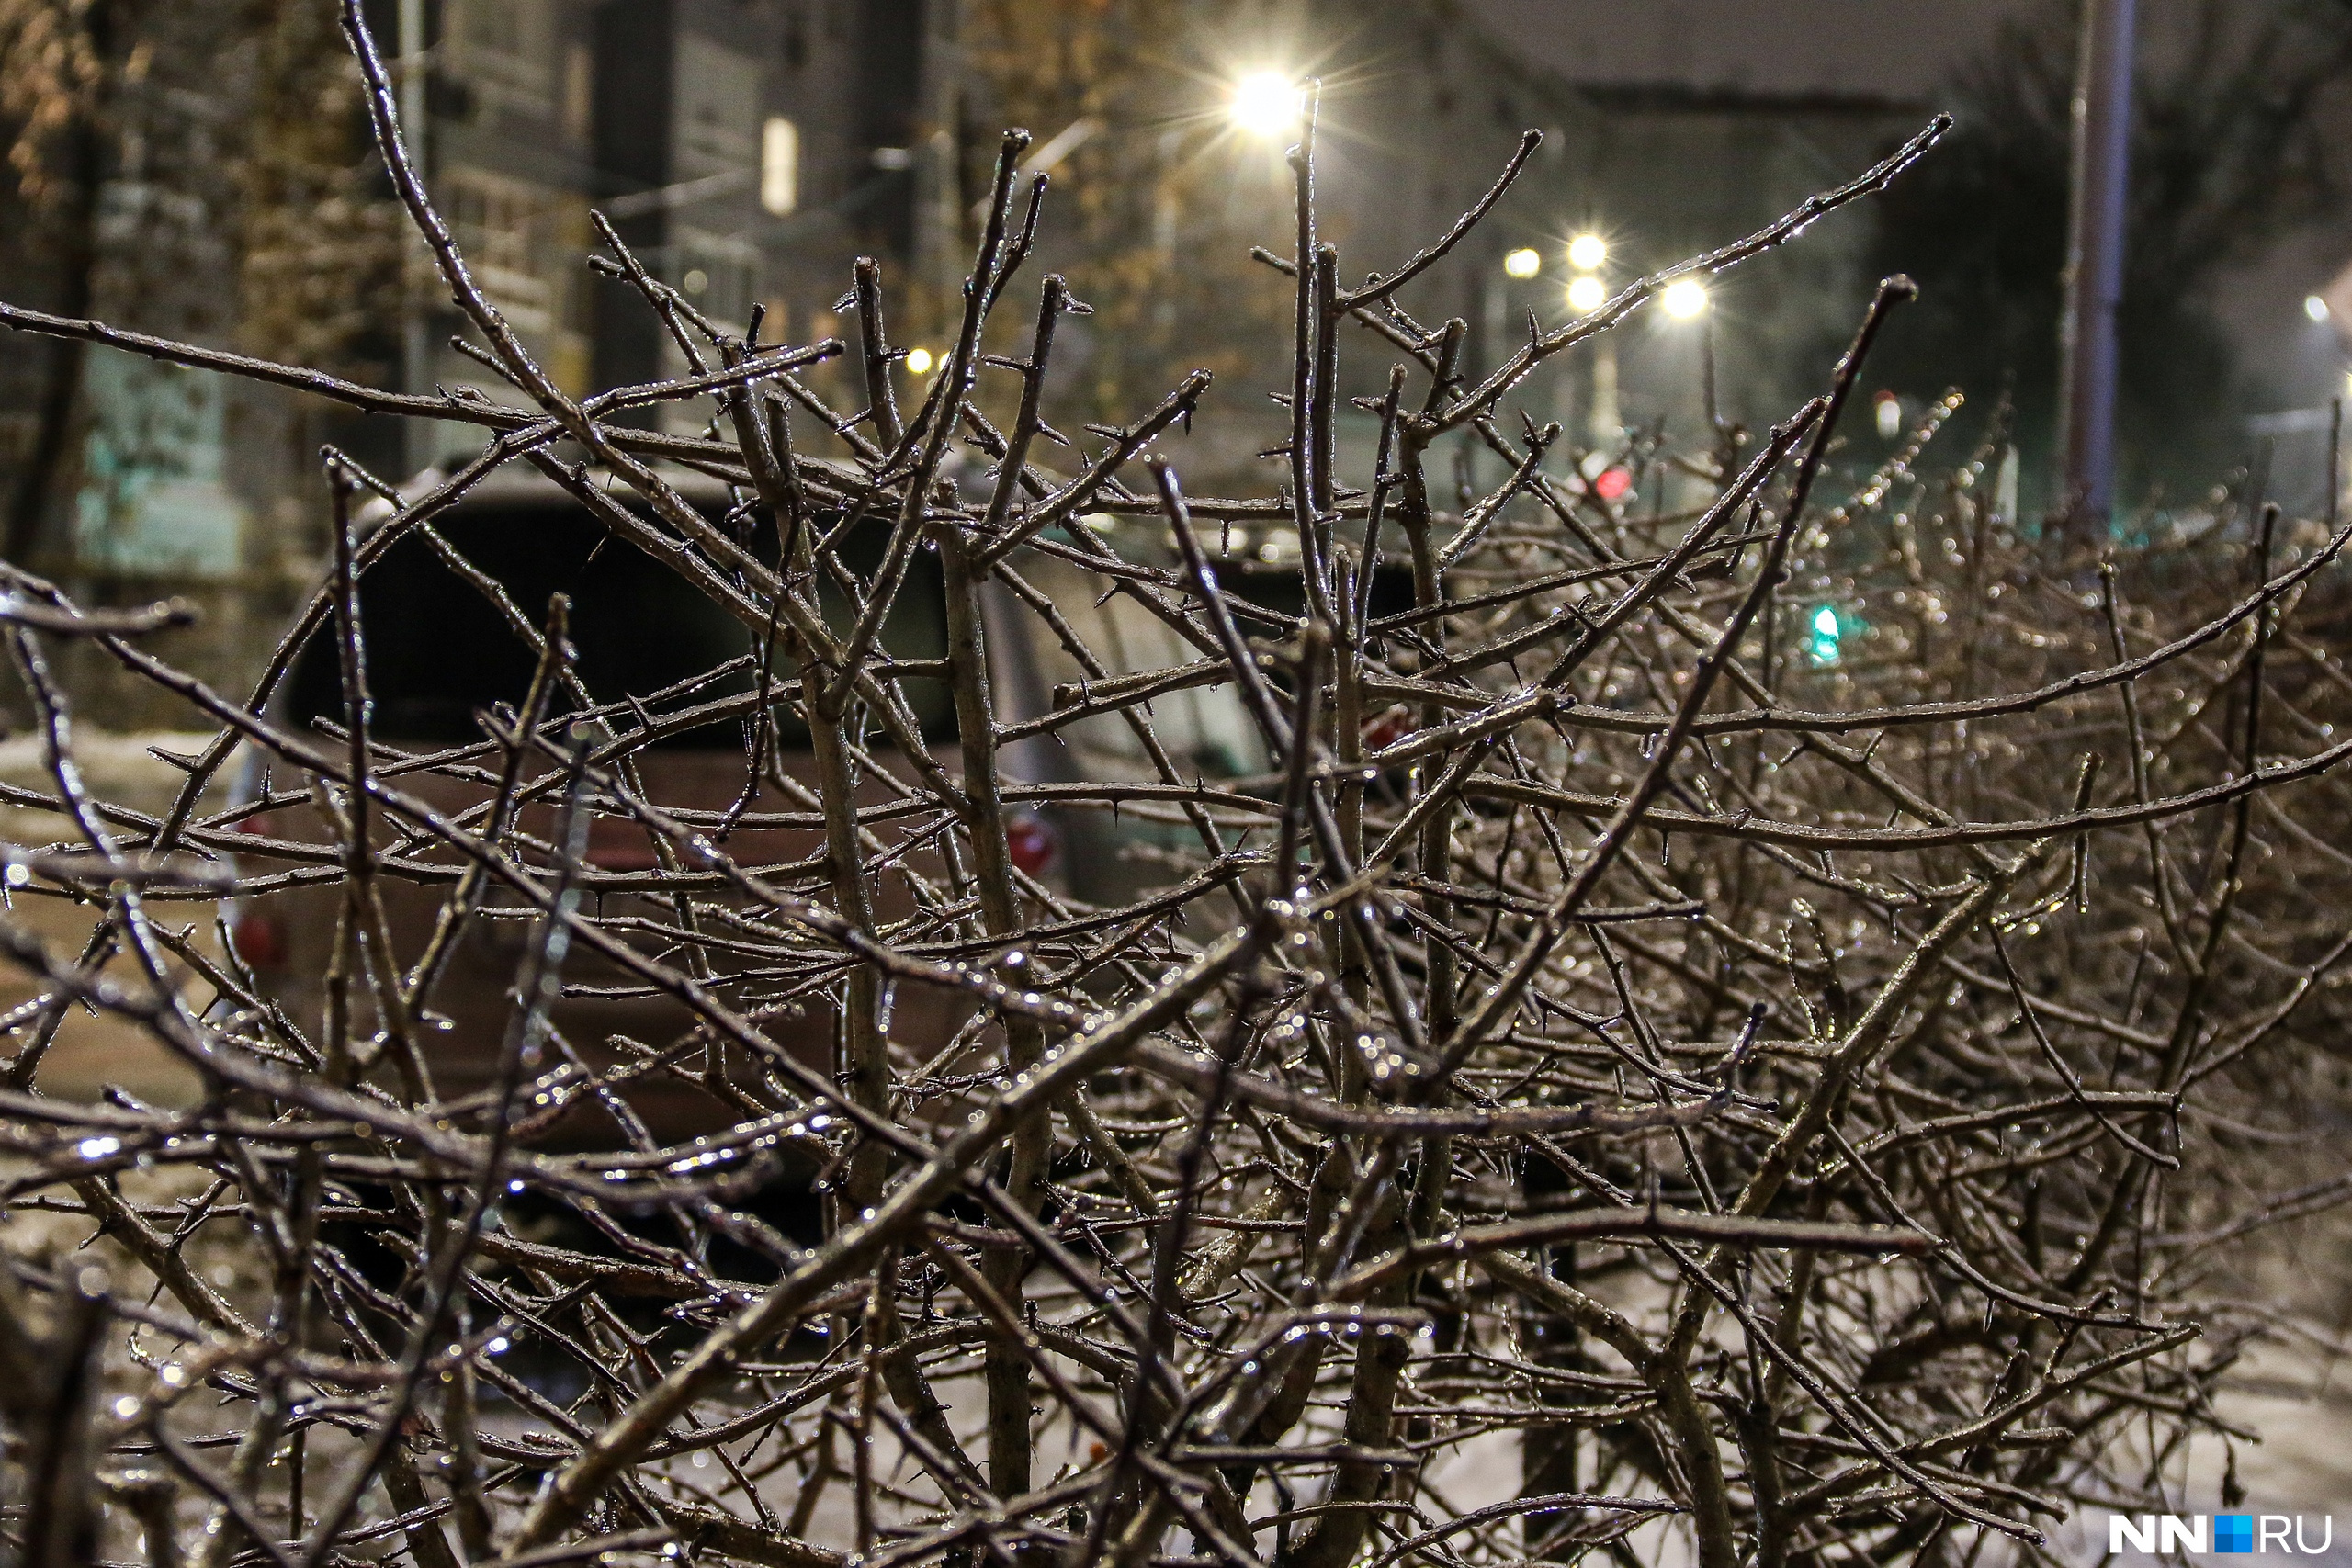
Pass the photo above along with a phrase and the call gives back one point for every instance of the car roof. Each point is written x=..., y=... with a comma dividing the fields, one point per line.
x=519, y=485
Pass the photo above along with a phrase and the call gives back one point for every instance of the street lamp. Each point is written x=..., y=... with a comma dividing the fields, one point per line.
x=1587, y=252
x=2315, y=307
x=1524, y=261
x=919, y=361
x=1685, y=299
x=1586, y=293
x=1266, y=103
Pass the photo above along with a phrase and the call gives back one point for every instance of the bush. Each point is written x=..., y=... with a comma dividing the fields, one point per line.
x=1679, y=995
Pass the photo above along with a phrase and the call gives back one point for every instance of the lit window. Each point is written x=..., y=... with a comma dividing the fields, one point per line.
x=578, y=92
x=780, y=165
x=1889, y=410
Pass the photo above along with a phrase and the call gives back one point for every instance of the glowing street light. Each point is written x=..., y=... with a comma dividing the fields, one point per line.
x=2315, y=307
x=1524, y=261
x=919, y=361
x=1586, y=293
x=1587, y=252
x=1685, y=299
x=1267, y=103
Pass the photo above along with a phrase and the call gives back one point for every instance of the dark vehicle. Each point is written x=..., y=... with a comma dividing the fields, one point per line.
x=441, y=652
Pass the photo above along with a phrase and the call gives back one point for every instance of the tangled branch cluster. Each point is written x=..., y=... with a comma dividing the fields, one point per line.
x=1762, y=1092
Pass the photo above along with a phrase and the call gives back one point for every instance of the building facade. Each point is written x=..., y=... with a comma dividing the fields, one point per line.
x=747, y=151
x=744, y=152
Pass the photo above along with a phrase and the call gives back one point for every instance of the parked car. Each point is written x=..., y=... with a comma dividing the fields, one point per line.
x=438, y=653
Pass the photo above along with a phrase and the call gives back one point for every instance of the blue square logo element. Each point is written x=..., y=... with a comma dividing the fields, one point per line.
x=2233, y=1532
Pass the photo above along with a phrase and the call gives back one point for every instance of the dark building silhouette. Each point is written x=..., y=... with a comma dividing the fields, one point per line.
x=744, y=152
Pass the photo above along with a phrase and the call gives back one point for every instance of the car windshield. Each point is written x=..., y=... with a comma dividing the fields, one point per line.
x=438, y=651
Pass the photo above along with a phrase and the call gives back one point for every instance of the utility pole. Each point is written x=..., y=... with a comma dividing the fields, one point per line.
x=2094, y=277
x=416, y=345
x=939, y=257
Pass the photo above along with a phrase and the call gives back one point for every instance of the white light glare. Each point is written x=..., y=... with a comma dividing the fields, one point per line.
x=1267, y=103
x=1524, y=261
x=1685, y=299
x=919, y=361
x=1587, y=252
x=1889, y=409
x=2315, y=307
x=1586, y=293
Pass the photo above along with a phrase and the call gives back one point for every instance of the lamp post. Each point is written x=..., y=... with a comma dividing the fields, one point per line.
x=416, y=341
x=1587, y=293
x=1686, y=300
x=2094, y=277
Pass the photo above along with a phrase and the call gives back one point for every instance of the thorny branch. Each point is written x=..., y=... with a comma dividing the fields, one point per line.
x=1785, y=1096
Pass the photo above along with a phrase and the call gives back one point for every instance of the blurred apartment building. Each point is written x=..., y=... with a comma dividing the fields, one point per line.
x=746, y=151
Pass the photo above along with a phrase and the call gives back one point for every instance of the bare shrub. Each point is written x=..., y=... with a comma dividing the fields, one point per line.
x=1763, y=1070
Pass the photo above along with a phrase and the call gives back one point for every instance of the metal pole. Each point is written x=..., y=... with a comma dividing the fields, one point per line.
x=938, y=224
x=2094, y=277
x=415, y=348
x=1607, y=431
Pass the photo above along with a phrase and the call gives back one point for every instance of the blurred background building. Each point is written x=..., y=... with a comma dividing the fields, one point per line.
x=203, y=170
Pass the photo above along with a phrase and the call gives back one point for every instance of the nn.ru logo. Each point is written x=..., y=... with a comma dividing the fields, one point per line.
x=2242, y=1533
